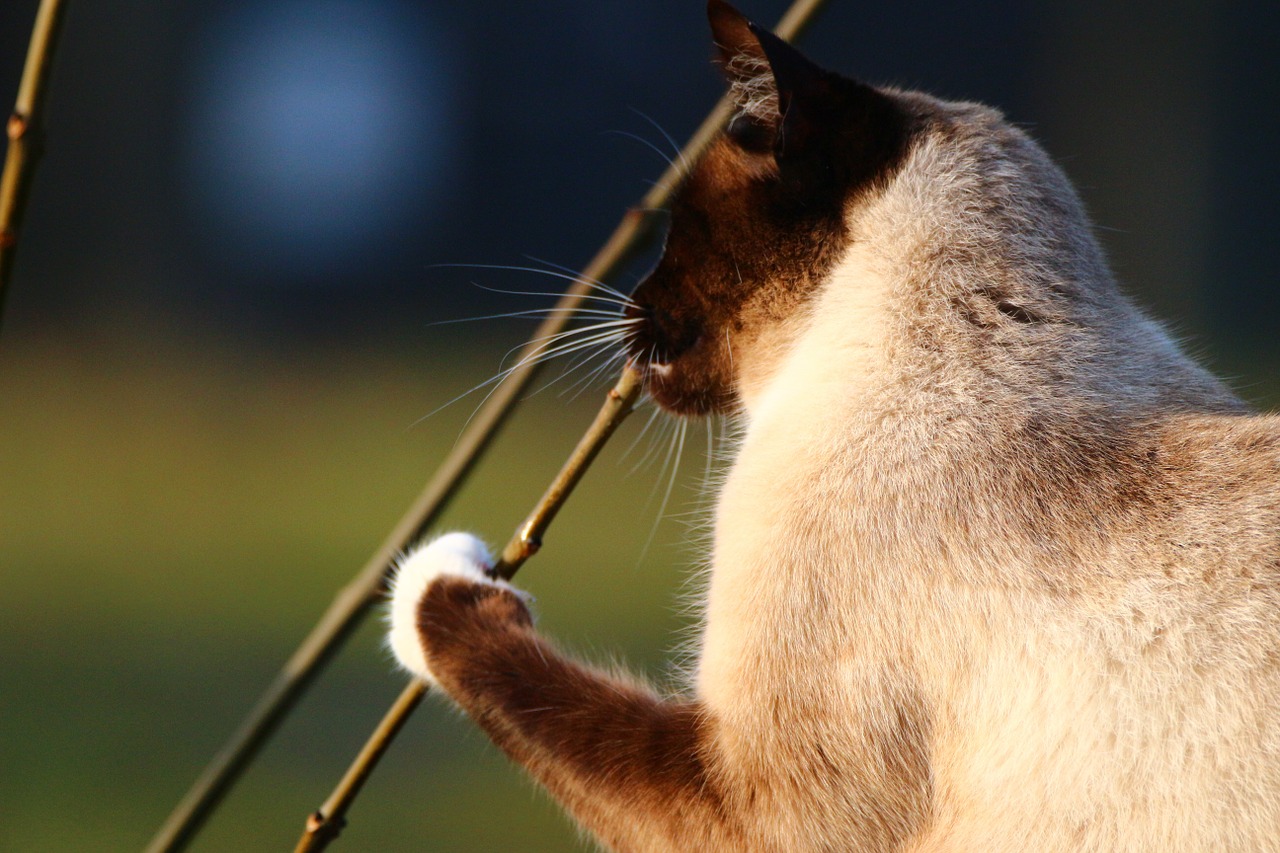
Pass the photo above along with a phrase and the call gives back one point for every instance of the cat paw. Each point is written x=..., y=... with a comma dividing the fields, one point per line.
x=454, y=555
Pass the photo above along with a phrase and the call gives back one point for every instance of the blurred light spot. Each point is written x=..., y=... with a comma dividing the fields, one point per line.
x=319, y=131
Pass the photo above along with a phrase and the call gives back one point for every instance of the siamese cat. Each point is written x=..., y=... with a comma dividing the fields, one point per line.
x=996, y=567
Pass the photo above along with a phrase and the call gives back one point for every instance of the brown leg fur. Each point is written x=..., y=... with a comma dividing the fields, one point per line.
x=628, y=765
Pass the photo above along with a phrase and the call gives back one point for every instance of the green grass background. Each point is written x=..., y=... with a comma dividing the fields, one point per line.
x=174, y=514
x=173, y=517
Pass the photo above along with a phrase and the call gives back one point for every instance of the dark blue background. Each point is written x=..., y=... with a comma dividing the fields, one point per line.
x=1164, y=114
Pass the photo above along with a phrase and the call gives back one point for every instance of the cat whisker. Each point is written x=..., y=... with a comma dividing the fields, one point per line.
x=619, y=326
x=607, y=347
x=562, y=348
x=653, y=416
x=618, y=297
x=617, y=323
x=600, y=285
x=684, y=161
x=557, y=345
x=610, y=364
x=659, y=440
x=677, y=451
x=550, y=346
x=646, y=143
x=662, y=445
x=536, y=313
x=609, y=300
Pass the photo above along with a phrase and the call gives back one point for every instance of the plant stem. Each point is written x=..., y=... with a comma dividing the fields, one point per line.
x=528, y=538
x=352, y=603
x=25, y=130
x=325, y=823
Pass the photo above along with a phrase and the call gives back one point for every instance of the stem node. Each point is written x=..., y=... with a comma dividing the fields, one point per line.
x=17, y=126
x=23, y=130
x=530, y=542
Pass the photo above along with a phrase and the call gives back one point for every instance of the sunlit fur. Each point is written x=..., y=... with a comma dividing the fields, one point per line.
x=1091, y=618
x=994, y=568
x=457, y=554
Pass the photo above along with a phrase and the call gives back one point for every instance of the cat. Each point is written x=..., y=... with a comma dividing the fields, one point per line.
x=995, y=564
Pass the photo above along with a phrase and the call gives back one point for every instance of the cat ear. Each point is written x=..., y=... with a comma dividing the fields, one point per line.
x=805, y=91
x=820, y=127
x=745, y=66
x=778, y=91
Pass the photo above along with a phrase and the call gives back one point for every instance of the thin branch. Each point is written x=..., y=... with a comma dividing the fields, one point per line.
x=352, y=603
x=324, y=824
x=25, y=130
x=528, y=537
x=328, y=821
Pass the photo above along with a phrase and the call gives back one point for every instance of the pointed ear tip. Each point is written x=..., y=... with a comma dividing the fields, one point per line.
x=761, y=33
x=720, y=9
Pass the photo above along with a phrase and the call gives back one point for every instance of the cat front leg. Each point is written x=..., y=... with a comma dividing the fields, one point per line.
x=630, y=766
x=454, y=555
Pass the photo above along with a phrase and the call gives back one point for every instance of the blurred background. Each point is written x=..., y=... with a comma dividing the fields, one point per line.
x=218, y=350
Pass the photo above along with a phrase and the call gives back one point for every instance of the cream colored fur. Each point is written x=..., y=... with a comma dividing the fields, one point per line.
x=995, y=567
x=1113, y=686
x=752, y=89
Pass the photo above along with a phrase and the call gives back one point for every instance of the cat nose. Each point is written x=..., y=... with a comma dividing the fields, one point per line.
x=662, y=337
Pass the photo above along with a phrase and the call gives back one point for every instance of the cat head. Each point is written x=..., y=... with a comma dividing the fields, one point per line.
x=979, y=244
x=760, y=220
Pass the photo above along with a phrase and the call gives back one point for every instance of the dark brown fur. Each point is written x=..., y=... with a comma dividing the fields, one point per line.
x=761, y=221
x=587, y=736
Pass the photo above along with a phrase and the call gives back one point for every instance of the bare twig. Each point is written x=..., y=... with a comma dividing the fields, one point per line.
x=324, y=824
x=25, y=130
x=352, y=603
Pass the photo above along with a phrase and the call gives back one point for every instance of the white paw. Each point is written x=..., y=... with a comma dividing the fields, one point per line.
x=458, y=554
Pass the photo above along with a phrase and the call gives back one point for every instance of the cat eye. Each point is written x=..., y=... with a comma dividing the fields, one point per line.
x=750, y=134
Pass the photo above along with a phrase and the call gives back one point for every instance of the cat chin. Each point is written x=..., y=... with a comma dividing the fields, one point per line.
x=676, y=401
x=458, y=554
x=686, y=389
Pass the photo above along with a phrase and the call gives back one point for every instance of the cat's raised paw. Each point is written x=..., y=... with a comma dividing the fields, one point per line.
x=457, y=555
